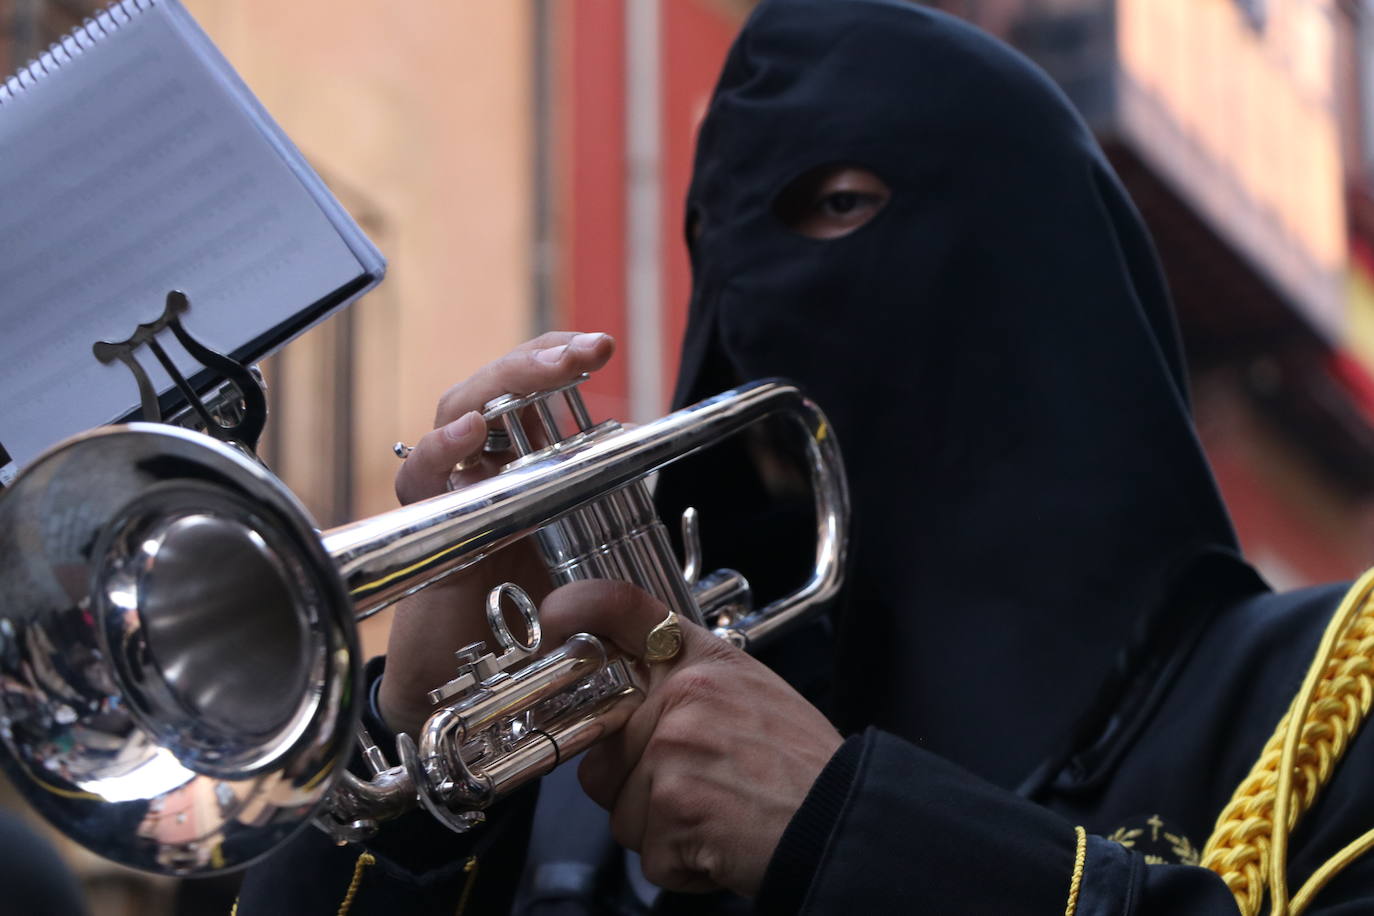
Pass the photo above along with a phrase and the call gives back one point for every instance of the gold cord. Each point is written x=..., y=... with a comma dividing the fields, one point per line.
x=1076, y=882
x=365, y=860
x=1249, y=845
x=470, y=866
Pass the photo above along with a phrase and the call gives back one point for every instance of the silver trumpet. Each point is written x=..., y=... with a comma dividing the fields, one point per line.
x=179, y=667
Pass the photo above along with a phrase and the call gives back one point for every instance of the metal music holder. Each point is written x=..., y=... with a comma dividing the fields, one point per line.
x=7, y=468
x=236, y=412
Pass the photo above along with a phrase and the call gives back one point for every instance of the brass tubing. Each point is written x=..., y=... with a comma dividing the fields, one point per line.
x=386, y=557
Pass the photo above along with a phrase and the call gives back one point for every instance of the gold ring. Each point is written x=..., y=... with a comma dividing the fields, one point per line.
x=664, y=641
x=468, y=463
x=455, y=476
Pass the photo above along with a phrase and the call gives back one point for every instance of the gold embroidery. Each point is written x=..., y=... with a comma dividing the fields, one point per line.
x=1125, y=837
x=1186, y=852
x=1151, y=846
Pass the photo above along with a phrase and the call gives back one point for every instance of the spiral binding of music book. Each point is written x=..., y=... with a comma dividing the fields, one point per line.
x=137, y=162
x=70, y=46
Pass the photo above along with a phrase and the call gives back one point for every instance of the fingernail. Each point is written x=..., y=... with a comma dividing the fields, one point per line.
x=464, y=426
x=587, y=341
x=551, y=355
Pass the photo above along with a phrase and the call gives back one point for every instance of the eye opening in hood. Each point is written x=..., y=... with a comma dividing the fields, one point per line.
x=693, y=225
x=832, y=200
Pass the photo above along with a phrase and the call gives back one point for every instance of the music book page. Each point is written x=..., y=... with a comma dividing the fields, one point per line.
x=139, y=165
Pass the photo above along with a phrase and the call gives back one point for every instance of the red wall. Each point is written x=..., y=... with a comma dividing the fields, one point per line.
x=1293, y=525
x=590, y=126
x=695, y=36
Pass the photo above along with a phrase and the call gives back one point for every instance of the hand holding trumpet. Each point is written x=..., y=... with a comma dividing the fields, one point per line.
x=708, y=771
x=431, y=624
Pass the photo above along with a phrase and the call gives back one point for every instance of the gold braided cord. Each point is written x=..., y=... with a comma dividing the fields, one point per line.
x=1329, y=869
x=1077, y=880
x=1248, y=847
x=470, y=866
x=364, y=860
x=1343, y=658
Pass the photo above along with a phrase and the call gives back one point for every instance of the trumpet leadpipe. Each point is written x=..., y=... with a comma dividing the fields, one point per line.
x=389, y=556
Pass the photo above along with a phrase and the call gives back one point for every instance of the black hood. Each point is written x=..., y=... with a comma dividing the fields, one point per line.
x=998, y=355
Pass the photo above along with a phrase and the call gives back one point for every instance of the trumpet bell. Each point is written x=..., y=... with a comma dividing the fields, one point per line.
x=179, y=659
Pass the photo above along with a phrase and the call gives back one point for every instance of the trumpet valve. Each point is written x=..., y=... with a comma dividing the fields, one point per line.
x=477, y=668
x=511, y=434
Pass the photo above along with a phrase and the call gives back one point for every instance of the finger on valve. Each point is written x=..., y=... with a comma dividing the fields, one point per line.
x=426, y=470
x=427, y=627
x=452, y=455
x=548, y=361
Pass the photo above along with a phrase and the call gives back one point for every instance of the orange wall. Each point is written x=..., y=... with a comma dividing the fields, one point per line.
x=1243, y=122
x=420, y=115
x=420, y=119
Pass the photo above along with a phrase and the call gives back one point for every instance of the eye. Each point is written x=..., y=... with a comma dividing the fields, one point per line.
x=831, y=201
x=843, y=204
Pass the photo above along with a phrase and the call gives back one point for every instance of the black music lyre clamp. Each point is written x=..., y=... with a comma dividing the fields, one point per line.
x=242, y=425
x=7, y=468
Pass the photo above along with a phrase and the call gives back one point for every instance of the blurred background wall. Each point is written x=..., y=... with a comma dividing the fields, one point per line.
x=522, y=163
x=1240, y=128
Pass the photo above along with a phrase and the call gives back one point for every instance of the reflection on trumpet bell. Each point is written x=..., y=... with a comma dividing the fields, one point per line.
x=163, y=708
x=179, y=672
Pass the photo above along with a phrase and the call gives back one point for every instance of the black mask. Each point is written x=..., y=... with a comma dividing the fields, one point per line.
x=998, y=355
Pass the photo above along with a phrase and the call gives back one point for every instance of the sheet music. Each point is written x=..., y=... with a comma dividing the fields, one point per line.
x=128, y=172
